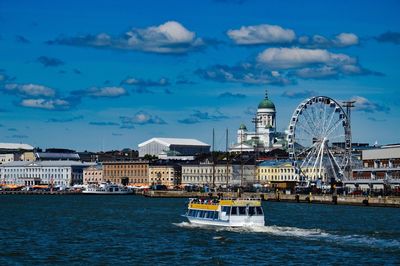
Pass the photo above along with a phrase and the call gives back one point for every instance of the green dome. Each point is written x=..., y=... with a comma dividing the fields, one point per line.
x=266, y=103
x=242, y=127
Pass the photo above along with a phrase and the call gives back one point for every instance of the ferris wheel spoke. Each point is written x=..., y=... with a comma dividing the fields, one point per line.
x=310, y=122
x=305, y=130
x=333, y=127
x=332, y=165
x=330, y=121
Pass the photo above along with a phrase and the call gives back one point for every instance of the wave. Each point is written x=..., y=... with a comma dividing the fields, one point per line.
x=310, y=234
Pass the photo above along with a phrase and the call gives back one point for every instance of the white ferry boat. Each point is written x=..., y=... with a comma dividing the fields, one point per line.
x=226, y=212
x=107, y=189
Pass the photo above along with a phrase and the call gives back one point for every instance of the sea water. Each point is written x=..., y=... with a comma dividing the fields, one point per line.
x=83, y=229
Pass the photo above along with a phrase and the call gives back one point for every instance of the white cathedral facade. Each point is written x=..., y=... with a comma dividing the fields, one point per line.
x=264, y=138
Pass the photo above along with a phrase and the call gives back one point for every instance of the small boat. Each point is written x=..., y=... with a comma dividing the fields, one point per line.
x=107, y=189
x=226, y=212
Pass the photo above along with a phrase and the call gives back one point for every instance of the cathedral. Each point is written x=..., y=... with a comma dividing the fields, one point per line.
x=265, y=137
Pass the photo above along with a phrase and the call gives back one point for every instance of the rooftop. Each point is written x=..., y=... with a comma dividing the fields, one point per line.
x=45, y=164
x=15, y=146
x=175, y=141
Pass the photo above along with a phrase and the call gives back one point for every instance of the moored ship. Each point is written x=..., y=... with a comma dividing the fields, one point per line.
x=107, y=189
x=226, y=212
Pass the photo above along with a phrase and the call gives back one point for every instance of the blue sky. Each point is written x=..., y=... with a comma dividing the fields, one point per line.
x=111, y=74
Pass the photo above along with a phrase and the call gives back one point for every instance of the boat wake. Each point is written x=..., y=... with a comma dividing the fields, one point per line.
x=309, y=234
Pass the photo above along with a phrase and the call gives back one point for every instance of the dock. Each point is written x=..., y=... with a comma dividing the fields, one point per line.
x=386, y=201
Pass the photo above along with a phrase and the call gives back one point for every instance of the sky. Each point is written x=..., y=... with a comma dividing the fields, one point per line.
x=103, y=75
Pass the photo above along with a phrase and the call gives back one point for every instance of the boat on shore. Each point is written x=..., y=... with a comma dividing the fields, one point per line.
x=107, y=189
x=225, y=212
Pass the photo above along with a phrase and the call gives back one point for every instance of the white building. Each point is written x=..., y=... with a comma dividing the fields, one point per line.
x=172, y=147
x=203, y=174
x=6, y=158
x=63, y=173
x=264, y=136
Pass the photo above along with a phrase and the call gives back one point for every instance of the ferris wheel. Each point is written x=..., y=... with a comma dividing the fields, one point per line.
x=319, y=140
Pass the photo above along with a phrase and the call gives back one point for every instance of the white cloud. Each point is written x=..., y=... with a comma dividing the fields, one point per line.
x=365, y=105
x=55, y=104
x=262, y=34
x=30, y=90
x=171, y=37
x=105, y=92
x=346, y=39
x=286, y=58
x=141, y=118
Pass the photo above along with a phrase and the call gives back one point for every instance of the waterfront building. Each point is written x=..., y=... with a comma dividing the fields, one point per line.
x=93, y=175
x=277, y=172
x=6, y=158
x=127, y=172
x=207, y=173
x=61, y=173
x=164, y=174
x=16, y=152
x=265, y=137
x=172, y=147
x=380, y=165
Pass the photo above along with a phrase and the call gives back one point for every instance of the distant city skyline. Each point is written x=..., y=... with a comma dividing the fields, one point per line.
x=109, y=75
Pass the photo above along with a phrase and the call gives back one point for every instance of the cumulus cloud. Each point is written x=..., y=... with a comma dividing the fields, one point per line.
x=346, y=39
x=277, y=35
x=299, y=94
x=141, y=118
x=162, y=82
x=342, y=40
x=362, y=104
x=29, y=90
x=285, y=58
x=49, y=61
x=389, y=36
x=47, y=104
x=199, y=116
x=103, y=92
x=262, y=34
x=231, y=95
x=246, y=73
x=168, y=38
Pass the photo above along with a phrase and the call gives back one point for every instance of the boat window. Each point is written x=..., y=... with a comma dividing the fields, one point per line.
x=208, y=215
x=242, y=210
x=234, y=211
x=202, y=214
x=226, y=209
x=252, y=211
x=215, y=215
x=191, y=212
x=259, y=210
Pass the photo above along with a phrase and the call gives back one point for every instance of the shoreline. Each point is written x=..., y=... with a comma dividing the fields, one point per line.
x=386, y=201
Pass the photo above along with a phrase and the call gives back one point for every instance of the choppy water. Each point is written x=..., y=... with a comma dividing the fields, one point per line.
x=141, y=231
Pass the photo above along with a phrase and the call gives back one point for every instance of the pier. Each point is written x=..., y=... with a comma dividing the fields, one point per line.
x=386, y=201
